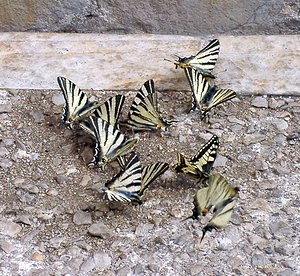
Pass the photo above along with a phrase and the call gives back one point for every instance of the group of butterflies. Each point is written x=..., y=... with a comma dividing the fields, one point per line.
x=214, y=202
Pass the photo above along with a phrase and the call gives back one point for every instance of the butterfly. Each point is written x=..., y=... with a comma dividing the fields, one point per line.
x=205, y=97
x=201, y=163
x=125, y=185
x=204, y=61
x=77, y=106
x=149, y=173
x=143, y=113
x=110, y=142
x=217, y=199
x=110, y=110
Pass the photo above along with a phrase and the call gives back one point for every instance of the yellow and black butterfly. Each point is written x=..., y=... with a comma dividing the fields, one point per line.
x=205, y=97
x=110, y=142
x=143, y=113
x=149, y=173
x=110, y=110
x=77, y=106
x=125, y=185
x=201, y=163
x=217, y=199
x=204, y=61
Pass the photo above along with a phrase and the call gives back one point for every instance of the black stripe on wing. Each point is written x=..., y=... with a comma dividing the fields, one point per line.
x=126, y=184
x=143, y=113
x=110, y=110
x=150, y=173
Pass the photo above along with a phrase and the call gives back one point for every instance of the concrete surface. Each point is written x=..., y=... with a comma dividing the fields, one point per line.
x=247, y=64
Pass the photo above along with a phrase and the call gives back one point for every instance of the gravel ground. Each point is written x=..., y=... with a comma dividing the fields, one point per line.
x=54, y=222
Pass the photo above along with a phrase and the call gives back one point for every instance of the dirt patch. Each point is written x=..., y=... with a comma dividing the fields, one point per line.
x=54, y=222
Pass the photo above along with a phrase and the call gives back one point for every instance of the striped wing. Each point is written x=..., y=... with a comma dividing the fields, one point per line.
x=143, y=113
x=214, y=97
x=150, y=173
x=77, y=105
x=126, y=184
x=185, y=166
x=206, y=156
x=110, y=142
x=219, y=192
x=204, y=61
x=199, y=86
x=111, y=109
x=201, y=163
x=205, y=97
x=219, y=198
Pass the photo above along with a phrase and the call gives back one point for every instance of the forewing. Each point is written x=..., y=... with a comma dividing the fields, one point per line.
x=76, y=102
x=206, y=156
x=150, y=173
x=110, y=142
x=110, y=110
x=199, y=86
x=126, y=184
x=207, y=57
x=219, y=191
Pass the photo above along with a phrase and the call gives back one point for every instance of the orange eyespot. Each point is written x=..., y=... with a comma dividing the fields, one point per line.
x=204, y=212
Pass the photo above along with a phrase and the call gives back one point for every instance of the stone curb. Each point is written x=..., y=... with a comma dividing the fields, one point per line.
x=247, y=64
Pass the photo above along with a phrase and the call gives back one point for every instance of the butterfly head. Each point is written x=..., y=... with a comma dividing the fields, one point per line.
x=103, y=162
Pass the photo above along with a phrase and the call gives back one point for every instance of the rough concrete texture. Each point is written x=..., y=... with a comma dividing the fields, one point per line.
x=148, y=16
x=247, y=64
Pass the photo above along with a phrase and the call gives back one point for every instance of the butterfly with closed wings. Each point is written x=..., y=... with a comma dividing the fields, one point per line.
x=125, y=185
x=143, y=114
x=217, y=199
x=149, y=172
x=77, y=106
x=110, y=142
x=204, y=61
x=110, y=110
x=205, y=96
x=201, y=163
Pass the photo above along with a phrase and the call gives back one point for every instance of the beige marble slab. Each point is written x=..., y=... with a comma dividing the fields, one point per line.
x=247, y=64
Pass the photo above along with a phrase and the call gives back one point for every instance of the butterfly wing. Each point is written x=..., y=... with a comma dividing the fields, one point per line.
x=110, y=110
x=219, y=191
x=110, y=142
x=150, y=173
x=206, y=156
x=204, y=61
x=143, y=113
x=199, y=86
x=185, y=166
x=77, y=105
x=214, y=97
x=126, y=184
x=200, y=203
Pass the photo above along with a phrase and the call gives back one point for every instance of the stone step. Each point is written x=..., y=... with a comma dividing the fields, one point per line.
x=247, y=64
